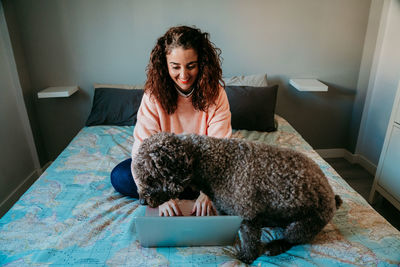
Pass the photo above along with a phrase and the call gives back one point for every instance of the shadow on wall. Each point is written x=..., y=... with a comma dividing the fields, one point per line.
x=322, y=118
x=64, y=118
x=354, y=120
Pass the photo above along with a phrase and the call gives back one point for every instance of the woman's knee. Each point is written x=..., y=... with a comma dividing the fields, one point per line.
x=122, y=170
x=122, y=180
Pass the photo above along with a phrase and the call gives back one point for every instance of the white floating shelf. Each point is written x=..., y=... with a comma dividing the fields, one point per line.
x=58, y=91
x=310, y=85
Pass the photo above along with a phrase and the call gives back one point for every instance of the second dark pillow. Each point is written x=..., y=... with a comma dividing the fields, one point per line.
x=252, y=108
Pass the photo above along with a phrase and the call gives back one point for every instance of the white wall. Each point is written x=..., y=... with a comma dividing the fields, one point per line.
x=19, y=164
x=383, y=82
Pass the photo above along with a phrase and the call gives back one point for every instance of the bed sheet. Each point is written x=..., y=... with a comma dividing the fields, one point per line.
x=72, y=216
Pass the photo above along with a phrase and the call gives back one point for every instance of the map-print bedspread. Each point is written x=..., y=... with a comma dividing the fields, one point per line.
x=72, y=216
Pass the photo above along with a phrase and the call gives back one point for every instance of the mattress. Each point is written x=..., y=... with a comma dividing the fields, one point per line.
x=72, y=216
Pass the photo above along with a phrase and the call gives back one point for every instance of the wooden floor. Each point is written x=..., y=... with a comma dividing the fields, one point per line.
x=361, y=180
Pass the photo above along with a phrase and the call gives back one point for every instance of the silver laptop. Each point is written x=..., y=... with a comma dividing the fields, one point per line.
x=178, y=231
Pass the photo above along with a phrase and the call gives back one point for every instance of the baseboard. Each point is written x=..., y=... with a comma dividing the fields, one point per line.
x=47, y=165
x=18, y=192
x=350, y=157
x=365, y=163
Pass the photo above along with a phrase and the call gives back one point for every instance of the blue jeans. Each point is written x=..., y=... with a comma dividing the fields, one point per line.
x=122, y=181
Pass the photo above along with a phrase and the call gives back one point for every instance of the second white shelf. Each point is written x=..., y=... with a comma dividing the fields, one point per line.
x=310, y=85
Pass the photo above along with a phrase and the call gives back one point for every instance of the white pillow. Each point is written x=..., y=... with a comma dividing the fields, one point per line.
x=256, y=80
x=118, y=86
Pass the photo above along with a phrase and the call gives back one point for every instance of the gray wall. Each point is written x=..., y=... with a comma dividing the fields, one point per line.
x=383, y=83
x=370, y=44
x=81, y=42
x=18, y=157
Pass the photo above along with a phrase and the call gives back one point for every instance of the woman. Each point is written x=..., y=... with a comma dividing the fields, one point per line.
x=183, y=94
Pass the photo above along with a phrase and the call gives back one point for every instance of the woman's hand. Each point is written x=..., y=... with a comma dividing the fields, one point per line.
x=169, y=208
x=203, y=206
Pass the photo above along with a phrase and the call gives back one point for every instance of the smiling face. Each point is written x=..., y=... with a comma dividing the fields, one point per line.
x=183, y=67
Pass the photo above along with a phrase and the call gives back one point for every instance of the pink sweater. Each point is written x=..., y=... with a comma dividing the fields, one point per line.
x=152, y=118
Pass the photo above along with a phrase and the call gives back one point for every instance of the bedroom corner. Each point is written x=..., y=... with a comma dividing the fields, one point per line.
x=19, y=166
x=57, y=202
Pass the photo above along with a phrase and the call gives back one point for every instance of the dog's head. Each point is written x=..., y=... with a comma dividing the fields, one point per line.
x=164, y=167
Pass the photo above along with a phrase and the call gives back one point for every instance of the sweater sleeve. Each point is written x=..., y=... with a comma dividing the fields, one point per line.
x=148, y=123
x=219, y=124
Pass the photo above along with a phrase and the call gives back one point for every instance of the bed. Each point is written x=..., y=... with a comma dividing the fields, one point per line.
x=72, y=215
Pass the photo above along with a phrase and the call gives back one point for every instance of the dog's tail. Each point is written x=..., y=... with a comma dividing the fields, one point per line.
x=338, y=201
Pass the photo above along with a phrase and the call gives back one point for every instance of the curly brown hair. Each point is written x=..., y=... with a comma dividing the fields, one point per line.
x=159, y=83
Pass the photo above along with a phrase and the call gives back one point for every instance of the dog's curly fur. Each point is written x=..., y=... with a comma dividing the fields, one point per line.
x=265, y=185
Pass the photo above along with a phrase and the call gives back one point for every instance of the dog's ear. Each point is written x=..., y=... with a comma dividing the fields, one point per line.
x=165, y=163
x=172, y=159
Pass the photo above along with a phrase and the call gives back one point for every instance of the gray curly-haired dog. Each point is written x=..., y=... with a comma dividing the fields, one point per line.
x=265, y=185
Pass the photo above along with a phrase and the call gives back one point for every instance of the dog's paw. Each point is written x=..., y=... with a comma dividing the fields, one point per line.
x=245, y=253
x=245, y=257
x=277, y=247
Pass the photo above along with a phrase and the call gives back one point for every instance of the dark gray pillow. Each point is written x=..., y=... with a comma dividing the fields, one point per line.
x=252, y=108
x=113, y=106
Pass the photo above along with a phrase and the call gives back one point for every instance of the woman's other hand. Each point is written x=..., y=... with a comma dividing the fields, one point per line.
x=169, y=208
x=203, y=206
